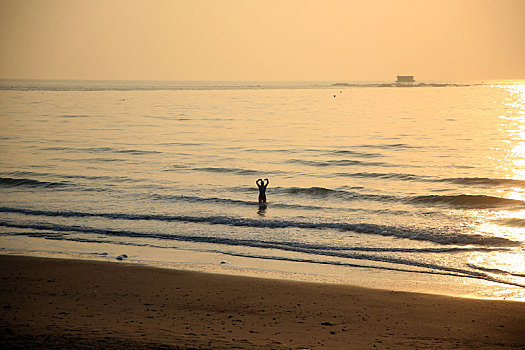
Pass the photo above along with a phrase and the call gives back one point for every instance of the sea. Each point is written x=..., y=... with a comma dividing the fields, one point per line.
x=417, y=188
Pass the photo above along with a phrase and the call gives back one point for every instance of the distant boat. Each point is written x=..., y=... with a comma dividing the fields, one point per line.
x=405, y=80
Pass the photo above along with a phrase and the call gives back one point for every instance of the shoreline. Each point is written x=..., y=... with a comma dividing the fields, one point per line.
x=192, y=259
x=114, y=305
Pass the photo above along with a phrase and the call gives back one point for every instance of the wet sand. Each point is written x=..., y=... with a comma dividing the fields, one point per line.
x=52, y=303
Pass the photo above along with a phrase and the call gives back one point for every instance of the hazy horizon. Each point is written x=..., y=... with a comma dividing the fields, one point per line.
x=234, y=40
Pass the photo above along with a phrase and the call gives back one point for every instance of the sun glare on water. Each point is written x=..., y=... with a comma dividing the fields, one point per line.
x=513, y=163
x=510, y=165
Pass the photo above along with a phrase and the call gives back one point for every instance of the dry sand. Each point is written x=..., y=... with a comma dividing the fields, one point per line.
x=51, y=303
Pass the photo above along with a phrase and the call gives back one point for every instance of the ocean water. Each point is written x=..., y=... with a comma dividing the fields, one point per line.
x=418, y=188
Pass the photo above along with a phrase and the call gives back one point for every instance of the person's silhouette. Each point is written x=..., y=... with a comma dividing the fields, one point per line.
x=262, y=189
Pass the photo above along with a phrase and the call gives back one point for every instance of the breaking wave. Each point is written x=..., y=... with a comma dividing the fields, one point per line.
x=353, y=253
x=461, y=201
x=11, y=182
x=442, y=236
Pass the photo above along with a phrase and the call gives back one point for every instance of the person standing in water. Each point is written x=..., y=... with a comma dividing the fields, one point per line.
x=262, y=189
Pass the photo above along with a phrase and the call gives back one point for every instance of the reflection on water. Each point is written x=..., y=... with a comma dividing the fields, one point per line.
x=262, y=209
x=513, y=128
x=513, y=162
x=510, y=264
x=507, y=223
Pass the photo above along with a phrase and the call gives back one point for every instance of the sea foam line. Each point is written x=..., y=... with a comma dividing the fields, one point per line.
x=293, y=247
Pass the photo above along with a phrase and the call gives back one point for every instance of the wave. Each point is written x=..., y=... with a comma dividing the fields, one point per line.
x=464, y=201
x=485, y=181
x=496, y=271
x=391, y=146
x=129, y=151
x=321, y=192
x=74, y=176
x=345, y=252
x=11, y=182
x=338, y=252
x=202, y=199
x=467, y=181
x=437, y=235
x=441, y=270
x=512, y=222
x=218, y=200
x=96, y=159
x=248, y=203
x=236, y=171
x=58, y=230
x=339, y=162
x=355, y=153
x=196, y=199
x=75, y=116
x=388, y=176
x=228, y=170
x=52, y=185
x=102, y=150
x=461, y=201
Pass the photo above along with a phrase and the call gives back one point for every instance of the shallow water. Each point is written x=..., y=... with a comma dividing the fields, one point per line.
x=418, y=188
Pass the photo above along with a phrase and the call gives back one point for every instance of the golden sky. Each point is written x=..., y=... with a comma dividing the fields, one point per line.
x=337, y=40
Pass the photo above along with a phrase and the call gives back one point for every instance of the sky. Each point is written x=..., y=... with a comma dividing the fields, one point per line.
x=325, y=40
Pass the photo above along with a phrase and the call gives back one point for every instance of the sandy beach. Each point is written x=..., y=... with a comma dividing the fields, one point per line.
x=52, y=303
